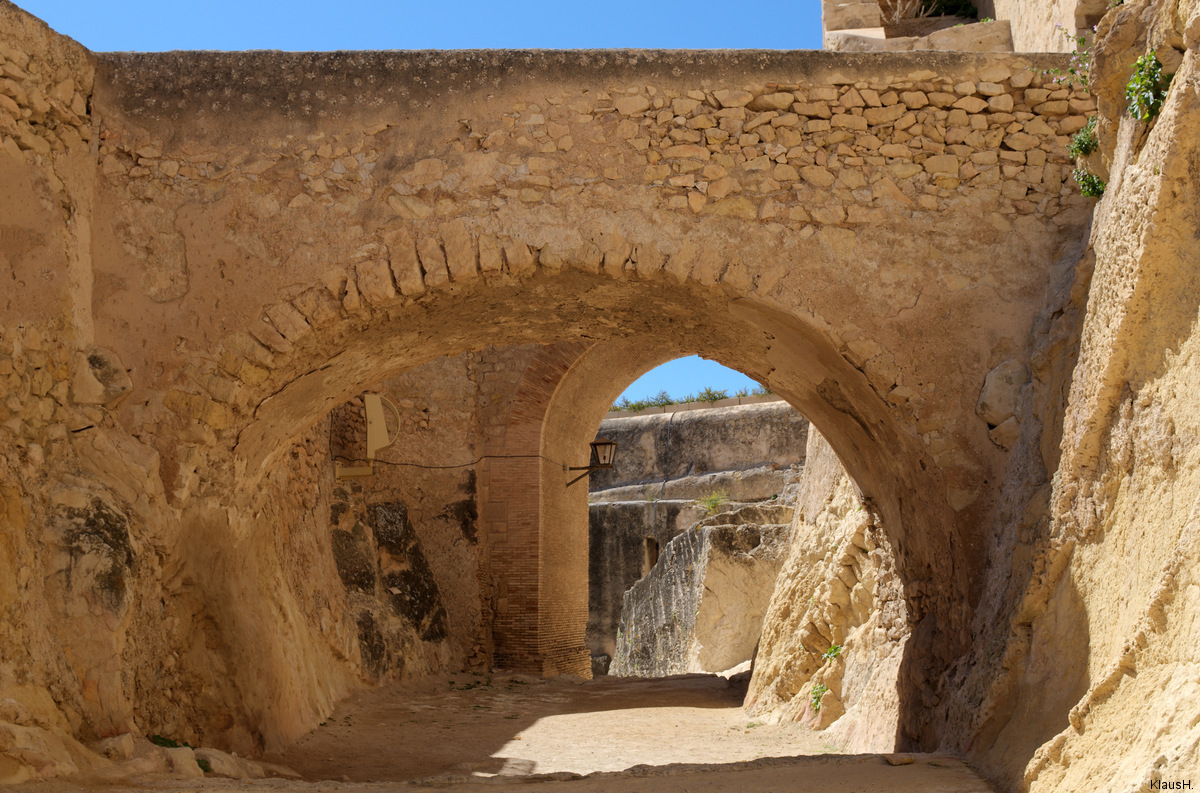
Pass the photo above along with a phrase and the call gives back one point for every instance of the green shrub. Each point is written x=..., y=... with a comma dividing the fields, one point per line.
x=818, y=692
x=1090, y=185
x=1084, y=141
x=833, y=652
x=662, y=398
x=1147, y=88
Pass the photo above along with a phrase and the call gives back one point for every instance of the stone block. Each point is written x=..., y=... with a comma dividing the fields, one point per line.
x=182, y=761
x=1001, y=389
x=374, y=281
x=461, y=257
x=433, y=262
x=733, y=97
x=980, y=37
x=847, y=16
x=519, y=258
x=100, y=378
x=288, y=320
x=406, y=267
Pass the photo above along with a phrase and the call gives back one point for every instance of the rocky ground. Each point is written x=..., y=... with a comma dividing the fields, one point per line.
x=465, y=732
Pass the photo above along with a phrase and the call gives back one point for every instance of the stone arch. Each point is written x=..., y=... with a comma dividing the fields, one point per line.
x=630, y=324
x=451, y=201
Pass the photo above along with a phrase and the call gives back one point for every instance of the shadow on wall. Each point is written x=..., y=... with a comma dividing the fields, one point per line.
x=1051, y=657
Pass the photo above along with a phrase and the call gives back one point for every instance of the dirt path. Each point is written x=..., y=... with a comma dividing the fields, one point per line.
x=469, y=734
x=509, y=725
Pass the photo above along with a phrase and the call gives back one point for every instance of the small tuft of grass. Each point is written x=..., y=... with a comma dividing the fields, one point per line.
x=713, y=501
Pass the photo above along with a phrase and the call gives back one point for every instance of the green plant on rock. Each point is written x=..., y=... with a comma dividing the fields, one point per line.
x=819, y=691
x=713, y=501
x=1079, y=68
x=833, y=652
x=1090, y=185
x=1084, y=141
x=1147, y=88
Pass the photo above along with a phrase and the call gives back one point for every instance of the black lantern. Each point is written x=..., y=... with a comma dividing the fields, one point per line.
x=604, y=452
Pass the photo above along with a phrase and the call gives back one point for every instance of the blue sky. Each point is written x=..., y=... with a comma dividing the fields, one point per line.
x=401, y=24
x=685, y=376
x=141, y=25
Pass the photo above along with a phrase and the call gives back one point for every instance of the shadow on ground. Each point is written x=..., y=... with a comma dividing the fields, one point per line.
x=509, y=725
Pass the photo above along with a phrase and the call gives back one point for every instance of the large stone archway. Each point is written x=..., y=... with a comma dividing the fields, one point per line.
x=257, y=237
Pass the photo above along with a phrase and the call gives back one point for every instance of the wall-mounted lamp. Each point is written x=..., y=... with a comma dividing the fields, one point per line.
x=377, y=436
x=604, y=452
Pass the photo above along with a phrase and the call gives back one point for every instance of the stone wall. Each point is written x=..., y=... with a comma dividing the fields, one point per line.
x=701, y=607
x=663, y=464
x=683, y=207
x=1043, y=26
x=625, y=541
x=676, y=454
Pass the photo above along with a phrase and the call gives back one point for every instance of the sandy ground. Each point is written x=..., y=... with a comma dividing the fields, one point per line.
x=509, y=725
x=473, y=733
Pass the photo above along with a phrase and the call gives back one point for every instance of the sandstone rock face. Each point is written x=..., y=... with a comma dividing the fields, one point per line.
x=1104, y=630
x=700, y=608
x=625, y=540
x=837, y=624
